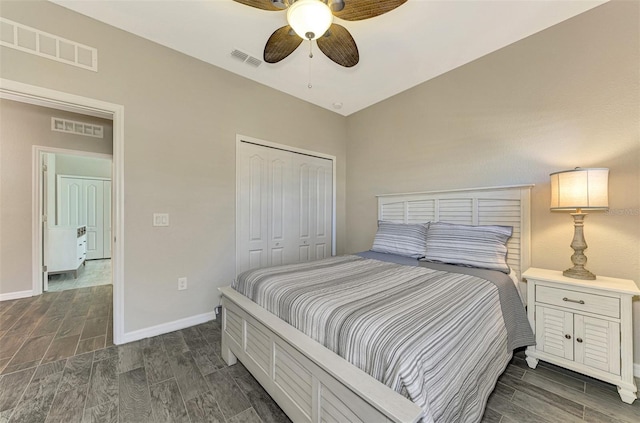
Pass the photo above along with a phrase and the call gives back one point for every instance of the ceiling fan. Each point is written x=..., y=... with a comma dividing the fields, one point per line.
x=313, y=20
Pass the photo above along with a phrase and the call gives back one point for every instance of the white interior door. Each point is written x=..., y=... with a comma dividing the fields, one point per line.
x=313, y=200
x=70, y=202
x=323, y=192
x=285, y=205
x=252, y=229
x=280, y=210
x=44, y=178
x=93, y=193
x=87, y=201
x=107, y=220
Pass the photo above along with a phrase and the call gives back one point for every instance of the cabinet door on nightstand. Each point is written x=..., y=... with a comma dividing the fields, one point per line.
x=554, y=332
x=597, y=343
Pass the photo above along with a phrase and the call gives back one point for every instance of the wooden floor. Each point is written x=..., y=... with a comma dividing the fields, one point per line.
x=180, y=377
x=553, y=394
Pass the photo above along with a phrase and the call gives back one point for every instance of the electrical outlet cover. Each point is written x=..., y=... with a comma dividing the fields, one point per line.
x=182, y=284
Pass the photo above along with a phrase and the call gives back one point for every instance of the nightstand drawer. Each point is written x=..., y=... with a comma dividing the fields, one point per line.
x=580, y=301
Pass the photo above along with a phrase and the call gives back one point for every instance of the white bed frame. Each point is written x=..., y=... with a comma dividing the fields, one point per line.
x=313, y=384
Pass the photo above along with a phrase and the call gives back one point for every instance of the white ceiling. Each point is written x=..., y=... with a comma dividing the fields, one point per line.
x=399, y=50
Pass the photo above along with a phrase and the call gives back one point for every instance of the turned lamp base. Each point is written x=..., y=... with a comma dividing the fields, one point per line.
x=579, y=245
x=579, y=273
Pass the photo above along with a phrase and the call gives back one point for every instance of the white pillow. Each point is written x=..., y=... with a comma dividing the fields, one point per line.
x=402, y=239
x=484, y=247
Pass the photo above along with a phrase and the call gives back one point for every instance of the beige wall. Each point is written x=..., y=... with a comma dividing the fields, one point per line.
x=82, y=166
x=21, y=127
x=565, y=97
x=181, y=121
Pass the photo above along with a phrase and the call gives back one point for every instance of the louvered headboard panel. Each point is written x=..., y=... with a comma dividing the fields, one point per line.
x=508, y=206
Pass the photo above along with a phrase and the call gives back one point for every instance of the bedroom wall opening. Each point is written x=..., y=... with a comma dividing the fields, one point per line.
x=28, y=276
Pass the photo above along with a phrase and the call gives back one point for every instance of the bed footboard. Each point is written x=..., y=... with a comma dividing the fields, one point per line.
x=308, y=381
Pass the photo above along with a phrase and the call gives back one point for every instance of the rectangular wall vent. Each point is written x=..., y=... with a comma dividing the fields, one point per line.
x=246, y=58
x=30, y=40
x=78, y=128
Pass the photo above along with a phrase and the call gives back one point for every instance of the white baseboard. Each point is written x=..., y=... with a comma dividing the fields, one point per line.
x=168, y=327
x=15, y=295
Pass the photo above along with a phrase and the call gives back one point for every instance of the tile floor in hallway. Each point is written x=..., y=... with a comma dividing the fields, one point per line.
x=180, y=376
x=93, y=273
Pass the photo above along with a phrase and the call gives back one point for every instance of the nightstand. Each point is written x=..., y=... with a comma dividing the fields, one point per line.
x=583, y=325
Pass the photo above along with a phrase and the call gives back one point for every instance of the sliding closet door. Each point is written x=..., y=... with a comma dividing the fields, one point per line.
x=284, y=202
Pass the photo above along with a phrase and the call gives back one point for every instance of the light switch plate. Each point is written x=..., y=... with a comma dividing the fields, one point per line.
x=161, y=219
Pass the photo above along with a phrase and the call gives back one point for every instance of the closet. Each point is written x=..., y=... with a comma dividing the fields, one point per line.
x=284, y=207
x=83, y=201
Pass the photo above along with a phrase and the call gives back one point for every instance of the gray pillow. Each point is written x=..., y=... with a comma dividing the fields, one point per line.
x=484, y=247
x=403, y=239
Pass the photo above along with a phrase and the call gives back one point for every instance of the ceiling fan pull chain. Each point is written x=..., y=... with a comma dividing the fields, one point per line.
x=310, y=57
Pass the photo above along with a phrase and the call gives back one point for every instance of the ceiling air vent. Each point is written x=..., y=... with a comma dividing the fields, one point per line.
x=246, y=58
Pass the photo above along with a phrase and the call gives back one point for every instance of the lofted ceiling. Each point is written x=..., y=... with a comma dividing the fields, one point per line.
x=398, y=50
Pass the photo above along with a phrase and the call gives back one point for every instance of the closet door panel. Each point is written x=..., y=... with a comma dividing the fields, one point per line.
x=285, y=206
x=253, y=198
x=107, y=220
x=323, y=208
x=70, y=202
x=304, y=208
x=93, y=190
x=314, y=187
x=280, y=208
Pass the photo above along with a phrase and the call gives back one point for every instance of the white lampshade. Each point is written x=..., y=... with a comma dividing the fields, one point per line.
x=580, y=189
x=310, y=19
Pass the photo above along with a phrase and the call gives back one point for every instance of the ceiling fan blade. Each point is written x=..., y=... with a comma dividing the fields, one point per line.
x=339, y=46
x=281, y=44
x=259, y=4
x=356, y=10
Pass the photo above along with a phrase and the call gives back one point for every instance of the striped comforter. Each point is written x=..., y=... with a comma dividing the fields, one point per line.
x=438, y=338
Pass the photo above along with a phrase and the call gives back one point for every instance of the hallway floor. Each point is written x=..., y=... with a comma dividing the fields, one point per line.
x=93, y=273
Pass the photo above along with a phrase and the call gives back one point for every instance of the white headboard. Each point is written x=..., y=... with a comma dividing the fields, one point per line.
x=508, y=206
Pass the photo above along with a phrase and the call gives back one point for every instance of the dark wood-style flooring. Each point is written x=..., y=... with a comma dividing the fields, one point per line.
x=180, y=376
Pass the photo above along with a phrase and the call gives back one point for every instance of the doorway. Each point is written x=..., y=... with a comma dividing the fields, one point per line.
x=32, y=94
x=76, y=229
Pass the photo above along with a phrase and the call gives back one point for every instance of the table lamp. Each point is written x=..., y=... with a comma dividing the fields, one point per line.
x=577, y=190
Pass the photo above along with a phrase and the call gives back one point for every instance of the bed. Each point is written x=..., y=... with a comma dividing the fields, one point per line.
x=449, y=380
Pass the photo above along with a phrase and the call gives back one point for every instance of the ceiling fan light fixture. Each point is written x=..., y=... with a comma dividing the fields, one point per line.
x=310, y=19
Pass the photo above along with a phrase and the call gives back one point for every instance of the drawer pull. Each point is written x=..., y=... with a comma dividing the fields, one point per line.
x=573, y=301
x=579, y=340
x=567, y=336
